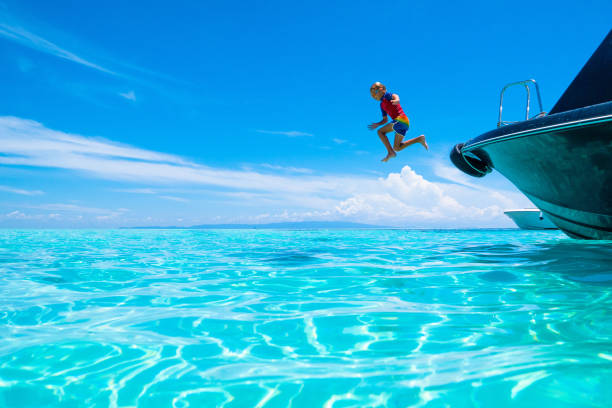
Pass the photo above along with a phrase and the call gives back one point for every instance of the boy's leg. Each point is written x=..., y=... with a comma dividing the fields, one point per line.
x=382, y=134
x=399, y=144
x=402, y=145
x=400, y=131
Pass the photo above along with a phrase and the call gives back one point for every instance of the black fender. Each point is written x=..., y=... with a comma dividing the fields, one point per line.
x=474, y=163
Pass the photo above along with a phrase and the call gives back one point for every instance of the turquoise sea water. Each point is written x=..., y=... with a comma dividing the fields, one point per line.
x=279, y=318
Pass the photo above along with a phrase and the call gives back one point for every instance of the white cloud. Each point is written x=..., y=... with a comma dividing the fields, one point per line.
x=61, y=209
x=21, y=216
x=70, y=208
x=339, y=141
x=28, y=143
x=29, y=39
x=399, y=199
x=13, y=30
x=455, y=175
x=16, y=214
x=131, y=96
x=107, y=217
x=288, y=169
x=407, y=198
x=136, y=190
x=291, y=133
x=172, y=198
x=150, y=191
x=21, y=191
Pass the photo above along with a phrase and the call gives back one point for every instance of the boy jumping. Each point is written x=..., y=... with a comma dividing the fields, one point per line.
x=389, y=104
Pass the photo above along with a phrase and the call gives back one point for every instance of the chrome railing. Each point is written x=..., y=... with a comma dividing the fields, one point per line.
x=526, y=84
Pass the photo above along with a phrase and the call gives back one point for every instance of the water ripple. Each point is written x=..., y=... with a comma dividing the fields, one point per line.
x=260, y=318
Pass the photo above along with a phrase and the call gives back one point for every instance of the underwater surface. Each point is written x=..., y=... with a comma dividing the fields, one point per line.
x=304, y=318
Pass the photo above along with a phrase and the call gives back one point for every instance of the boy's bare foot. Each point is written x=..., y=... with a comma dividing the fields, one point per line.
x=423, y=142
x=389, y=156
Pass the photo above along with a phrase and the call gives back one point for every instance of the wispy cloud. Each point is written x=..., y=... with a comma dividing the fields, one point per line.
x=454, y=175
x=288, y=169
x=21, y=191
x=59, y=212
x=34, y=41
x=404, y=198
x=339, y=141
x=16, y=215
x=131, y=96
x=292, y=133
x=172, y=198
x=136, y=190
x=30, y=36
x=150, y=191
x=74, y=208
x=29, y=143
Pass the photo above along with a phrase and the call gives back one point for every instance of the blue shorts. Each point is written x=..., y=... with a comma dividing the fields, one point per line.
x=400, y=127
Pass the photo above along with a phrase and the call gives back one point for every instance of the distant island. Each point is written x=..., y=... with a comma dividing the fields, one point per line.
x=276, y=225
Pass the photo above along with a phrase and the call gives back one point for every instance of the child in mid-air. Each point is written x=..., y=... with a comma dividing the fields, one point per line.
x=389, y=105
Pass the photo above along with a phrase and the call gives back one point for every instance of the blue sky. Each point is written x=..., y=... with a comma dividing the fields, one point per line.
x=134, y=113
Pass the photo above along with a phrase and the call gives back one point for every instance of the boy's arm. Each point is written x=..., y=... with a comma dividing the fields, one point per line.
x=395, y=99
x=373, y=126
